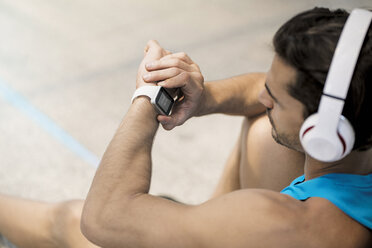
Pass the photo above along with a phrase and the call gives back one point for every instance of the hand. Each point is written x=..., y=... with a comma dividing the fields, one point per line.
x=153, y=51
x=177, y=71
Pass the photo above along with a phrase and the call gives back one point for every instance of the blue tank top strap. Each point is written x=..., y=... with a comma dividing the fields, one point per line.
x=349, y=192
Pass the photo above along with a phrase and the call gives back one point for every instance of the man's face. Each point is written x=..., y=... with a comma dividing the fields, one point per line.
x=284, y=111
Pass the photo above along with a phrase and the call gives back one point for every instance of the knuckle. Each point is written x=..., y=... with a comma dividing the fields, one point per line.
x=185, y=76
x=183, y=55
x=177, y=62
x=199, y=79
x=150, y=42
x=150, y=75
x=175, y=70
x=196, y=67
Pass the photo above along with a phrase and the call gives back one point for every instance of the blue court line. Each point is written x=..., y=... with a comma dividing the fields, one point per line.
x=20, y=102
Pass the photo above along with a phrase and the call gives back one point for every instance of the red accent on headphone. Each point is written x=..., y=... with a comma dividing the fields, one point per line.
x=342, y=141
x=307, y=130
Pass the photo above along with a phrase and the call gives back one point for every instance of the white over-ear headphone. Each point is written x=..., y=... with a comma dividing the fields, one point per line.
x=327, y=135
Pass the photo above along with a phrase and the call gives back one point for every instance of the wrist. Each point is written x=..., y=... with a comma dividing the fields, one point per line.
x=207, y=101
x=142, y=106
x=159, y=97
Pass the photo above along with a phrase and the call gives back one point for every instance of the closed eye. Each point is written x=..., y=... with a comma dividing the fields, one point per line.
x=271, y=94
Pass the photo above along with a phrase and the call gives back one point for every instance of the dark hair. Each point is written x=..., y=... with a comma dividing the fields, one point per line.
x=307, y=42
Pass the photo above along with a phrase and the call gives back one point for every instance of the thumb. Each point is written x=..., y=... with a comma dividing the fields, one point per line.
x=170, y=122
x=167, y=122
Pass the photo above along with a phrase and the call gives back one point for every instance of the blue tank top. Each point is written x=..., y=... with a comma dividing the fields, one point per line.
x=349, y=192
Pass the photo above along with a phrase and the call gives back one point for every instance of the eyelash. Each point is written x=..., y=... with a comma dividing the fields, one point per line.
x=272, y=98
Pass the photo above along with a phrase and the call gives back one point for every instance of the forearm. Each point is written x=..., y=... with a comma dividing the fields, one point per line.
x=125, y=169
x=235, y=96
x=26, y=223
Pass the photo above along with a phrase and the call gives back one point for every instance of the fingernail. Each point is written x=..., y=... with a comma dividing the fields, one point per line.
x=146, y=76
x=150, y=64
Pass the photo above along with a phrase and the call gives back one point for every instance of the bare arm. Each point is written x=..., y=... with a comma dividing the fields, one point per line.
x=121, y=180
x=119, y=212
x=245, y=218
x=235, y=96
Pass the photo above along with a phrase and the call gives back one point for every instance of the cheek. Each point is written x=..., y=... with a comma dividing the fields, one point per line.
x=283, y=119
x=290, y=121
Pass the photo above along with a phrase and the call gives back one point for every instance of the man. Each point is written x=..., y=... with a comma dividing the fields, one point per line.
x=58, y=225
x=118, y=211
x=37, y=224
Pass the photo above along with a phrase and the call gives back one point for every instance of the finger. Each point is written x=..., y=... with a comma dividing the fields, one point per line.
x=168, y=63
x=183, y=56
x=177, y=81
x=153, y=43
x=153, y=51
x=161, y=75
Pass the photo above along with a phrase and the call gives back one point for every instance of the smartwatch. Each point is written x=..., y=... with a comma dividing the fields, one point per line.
x=159, y=97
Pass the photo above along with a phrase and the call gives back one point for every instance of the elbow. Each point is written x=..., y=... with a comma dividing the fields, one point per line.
x=90, y=226
x=100, y=226
x=85, y=225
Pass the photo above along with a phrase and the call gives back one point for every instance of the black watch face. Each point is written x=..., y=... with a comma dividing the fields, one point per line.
x=164, y=101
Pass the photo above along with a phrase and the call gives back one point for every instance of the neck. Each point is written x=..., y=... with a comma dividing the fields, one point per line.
x=355, y=163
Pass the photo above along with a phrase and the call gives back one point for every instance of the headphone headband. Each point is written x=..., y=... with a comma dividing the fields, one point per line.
x=342, y=67
x=347, y=52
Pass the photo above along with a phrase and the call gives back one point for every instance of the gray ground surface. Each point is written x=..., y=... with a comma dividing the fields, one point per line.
x=75, y=62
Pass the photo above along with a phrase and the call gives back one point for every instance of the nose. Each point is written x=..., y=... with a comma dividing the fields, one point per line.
x=265, y=99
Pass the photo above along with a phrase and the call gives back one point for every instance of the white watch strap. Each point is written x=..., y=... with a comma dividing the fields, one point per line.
x=150, y=91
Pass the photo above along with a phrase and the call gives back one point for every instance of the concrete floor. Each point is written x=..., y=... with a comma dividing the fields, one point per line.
x=67, y=73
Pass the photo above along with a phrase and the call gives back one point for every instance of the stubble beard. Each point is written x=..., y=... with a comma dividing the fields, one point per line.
x=281, y=138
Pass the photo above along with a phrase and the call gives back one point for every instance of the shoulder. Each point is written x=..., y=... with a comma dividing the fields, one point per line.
x=270, y=219
x=249, y=218
x=270, y=172
x=333, y=227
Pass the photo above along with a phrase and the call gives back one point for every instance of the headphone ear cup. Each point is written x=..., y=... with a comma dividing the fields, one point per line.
x=309, y=142
x=346, y=134
x=308, y=125
x=326, y=147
